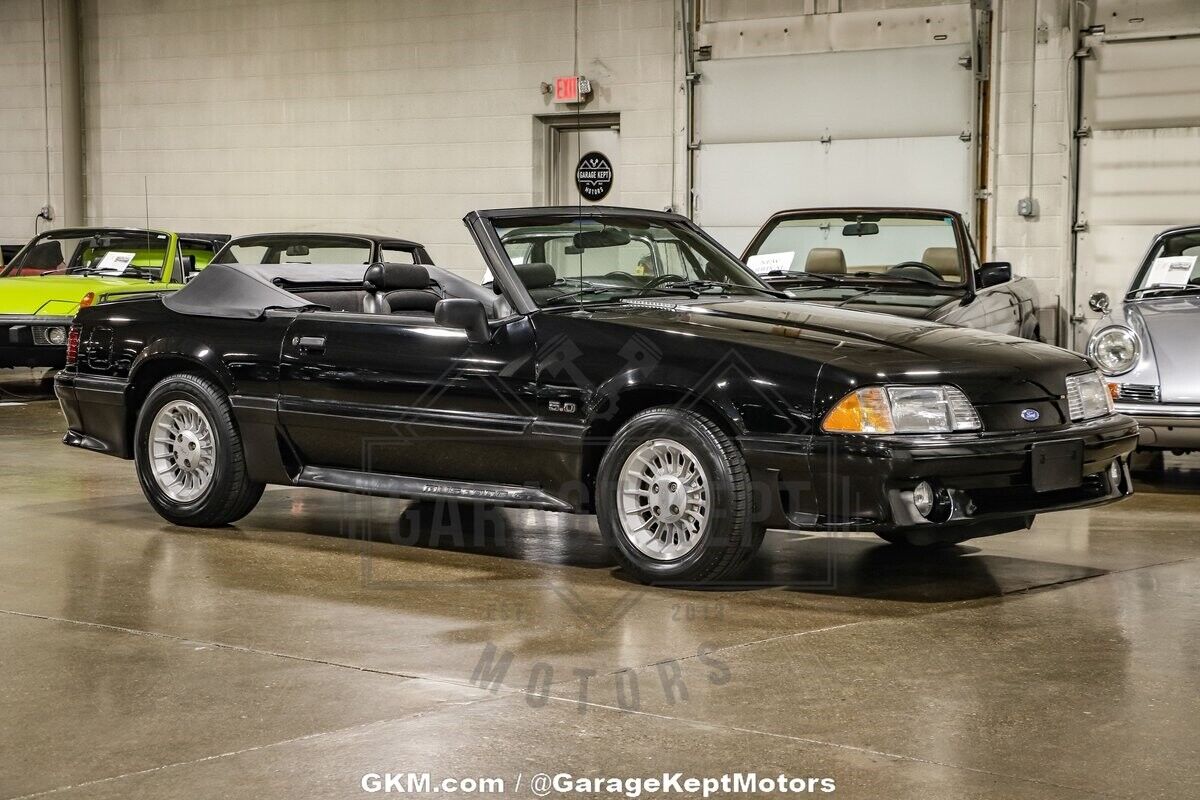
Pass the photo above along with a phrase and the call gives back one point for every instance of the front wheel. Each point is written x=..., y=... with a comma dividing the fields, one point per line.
x=674, y=499
x=189, y=455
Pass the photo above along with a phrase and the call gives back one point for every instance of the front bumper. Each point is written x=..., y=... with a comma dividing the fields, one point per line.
x=866, y=483
x=1170, y=426
x=23, y=345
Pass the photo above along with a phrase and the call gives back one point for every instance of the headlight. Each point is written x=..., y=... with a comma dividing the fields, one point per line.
x=49, y=336
x=1088, y=396
x=1115, y=349
x=902, y=409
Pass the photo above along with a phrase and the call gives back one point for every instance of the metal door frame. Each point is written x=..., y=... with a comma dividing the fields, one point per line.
x=547, y=128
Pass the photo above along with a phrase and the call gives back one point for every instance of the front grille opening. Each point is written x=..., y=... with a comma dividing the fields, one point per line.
x=1138, y=392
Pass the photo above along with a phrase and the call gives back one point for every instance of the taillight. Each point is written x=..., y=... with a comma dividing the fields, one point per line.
x=73, y=345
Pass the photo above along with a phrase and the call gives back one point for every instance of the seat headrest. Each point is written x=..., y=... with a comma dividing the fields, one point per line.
x=943, y=259
x=826, y=261
x=392, y=277
x=536, y=275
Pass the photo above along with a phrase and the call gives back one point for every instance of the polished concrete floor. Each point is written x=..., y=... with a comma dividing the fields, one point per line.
x=329, y=636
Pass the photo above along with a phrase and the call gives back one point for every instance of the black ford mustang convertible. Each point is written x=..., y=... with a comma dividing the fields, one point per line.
x=618, y=362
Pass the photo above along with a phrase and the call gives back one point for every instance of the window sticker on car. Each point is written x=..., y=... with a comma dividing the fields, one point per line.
x=1175, y=271
x=762, y=263
x=487, y=275
x=114, y=262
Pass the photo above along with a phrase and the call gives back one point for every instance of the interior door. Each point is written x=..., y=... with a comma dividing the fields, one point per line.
x=568, y=145
x=400, y=395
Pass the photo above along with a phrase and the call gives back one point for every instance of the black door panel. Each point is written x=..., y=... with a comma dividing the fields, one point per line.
x=404, y=396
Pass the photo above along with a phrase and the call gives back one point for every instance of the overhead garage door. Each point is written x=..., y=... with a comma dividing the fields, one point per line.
x=1139, y=167
x=866, y=127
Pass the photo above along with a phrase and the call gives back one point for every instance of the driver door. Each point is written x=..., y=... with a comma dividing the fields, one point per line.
x=398, y=394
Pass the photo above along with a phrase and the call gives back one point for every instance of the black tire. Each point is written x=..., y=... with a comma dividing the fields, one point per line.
x=730, y=537
x=231, y=494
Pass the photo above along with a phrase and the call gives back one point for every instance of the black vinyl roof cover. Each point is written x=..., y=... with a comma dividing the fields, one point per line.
x=245, y=291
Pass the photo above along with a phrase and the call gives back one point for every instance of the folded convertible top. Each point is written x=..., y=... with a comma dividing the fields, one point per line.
x=245, y=291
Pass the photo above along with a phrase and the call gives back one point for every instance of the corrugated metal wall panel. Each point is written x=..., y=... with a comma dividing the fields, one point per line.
x=740, y=185
x=871, y=94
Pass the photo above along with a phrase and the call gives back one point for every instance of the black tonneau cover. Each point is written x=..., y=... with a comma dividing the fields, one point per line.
x=245, y=291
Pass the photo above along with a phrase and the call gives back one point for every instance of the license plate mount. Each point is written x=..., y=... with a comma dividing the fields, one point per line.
x=1057, y=465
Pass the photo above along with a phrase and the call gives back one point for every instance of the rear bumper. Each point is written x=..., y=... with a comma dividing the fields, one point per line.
x=866, y=483
x=95, y=404
x=1169, y=426
x=21, y=344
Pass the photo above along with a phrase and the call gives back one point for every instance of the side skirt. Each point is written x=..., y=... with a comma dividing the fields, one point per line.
x=346, y=480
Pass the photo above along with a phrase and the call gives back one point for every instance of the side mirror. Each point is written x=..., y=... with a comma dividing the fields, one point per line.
x=993, y=273
x=464, y=315
x=1098, y=303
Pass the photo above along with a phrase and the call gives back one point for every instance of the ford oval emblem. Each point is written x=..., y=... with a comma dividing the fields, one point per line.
x=1030, y=415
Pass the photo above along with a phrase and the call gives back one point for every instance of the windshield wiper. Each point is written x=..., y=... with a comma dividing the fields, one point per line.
x=801, y=274
x=700, y=285
x=1188, y=289
x=586, y=290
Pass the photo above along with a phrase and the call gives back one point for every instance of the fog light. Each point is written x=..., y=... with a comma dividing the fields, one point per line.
x=923, y=498
x=56, y=336
x=1114, y=473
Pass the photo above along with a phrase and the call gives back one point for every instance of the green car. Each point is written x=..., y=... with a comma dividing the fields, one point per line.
x=45, y=283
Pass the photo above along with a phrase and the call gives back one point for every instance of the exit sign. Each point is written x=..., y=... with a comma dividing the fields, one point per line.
x=571, y=89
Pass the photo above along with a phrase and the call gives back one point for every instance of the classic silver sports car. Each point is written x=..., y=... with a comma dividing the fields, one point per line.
x=1147, y=343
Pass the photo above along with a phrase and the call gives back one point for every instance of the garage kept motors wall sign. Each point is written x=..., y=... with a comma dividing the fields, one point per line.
x=594, y=176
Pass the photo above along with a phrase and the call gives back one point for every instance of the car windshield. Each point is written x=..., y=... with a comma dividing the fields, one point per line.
x=1171, y=267
x=132, y=254
x=295, y=248
x=905, y=246
x=604, y=258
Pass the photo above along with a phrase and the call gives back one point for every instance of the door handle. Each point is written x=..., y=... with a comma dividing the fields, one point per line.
x=309, y=342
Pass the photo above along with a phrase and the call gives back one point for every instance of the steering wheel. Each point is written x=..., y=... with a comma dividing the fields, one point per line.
x=937, y=276
x=659, y=280
x=623, y=277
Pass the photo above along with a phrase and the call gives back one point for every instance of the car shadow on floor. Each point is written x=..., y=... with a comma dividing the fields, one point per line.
x=838, y=565
x=24, y=385
x=1174, y=475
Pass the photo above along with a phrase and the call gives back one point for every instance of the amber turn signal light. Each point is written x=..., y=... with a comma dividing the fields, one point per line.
x=864, y=411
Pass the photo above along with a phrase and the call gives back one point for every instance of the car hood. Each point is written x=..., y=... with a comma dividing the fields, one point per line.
x=58, y=295
x=1172, y=324
x=867, y=347
x=896, y=305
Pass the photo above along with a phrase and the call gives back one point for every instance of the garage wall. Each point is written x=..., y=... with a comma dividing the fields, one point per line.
x=23, y=134
x=354, y=114
x=1024, y=92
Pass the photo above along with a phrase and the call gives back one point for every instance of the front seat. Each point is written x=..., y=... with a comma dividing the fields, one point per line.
x=826, y=261
x=944, y=260
x=399, y=289
x=539, y=280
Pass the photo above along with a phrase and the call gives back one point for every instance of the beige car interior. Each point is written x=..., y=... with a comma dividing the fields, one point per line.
x=832, y=261
x=944, y=260
x=826, y=261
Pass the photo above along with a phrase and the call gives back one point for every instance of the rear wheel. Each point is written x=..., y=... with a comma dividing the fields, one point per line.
x=674, y=499
x=189, y=455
